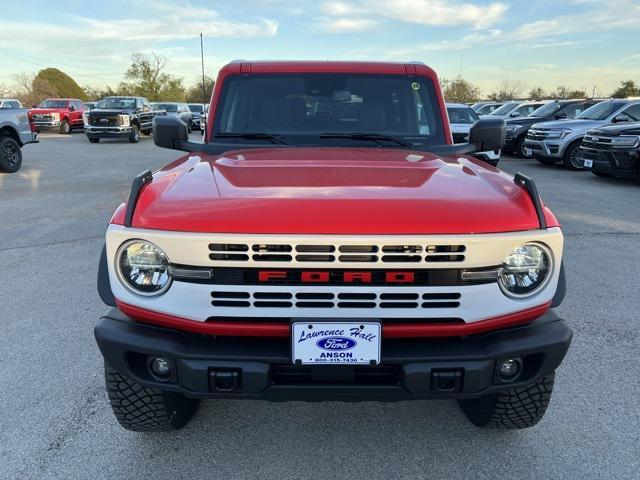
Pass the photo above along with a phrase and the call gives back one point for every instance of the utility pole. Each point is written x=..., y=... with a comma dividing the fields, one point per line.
x=204, y=89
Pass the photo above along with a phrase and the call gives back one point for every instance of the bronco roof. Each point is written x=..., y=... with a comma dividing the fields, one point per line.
x=281, y=66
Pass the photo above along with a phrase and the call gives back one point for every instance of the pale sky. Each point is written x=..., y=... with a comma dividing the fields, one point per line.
x=577, y=43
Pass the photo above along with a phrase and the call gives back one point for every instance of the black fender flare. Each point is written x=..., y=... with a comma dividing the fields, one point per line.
x=104, y=286
x=561, y=290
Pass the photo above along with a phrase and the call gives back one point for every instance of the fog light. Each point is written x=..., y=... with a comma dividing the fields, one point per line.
x=509, y=369
x=161, y=367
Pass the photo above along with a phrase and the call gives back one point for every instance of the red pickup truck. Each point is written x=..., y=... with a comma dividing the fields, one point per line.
x=329, y=241
x=61, y=114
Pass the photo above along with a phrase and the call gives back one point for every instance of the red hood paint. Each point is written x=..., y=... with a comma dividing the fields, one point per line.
x=333, y=191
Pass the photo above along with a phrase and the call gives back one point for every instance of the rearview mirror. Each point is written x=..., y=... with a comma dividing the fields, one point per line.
x=488, y=134
x=170, y=132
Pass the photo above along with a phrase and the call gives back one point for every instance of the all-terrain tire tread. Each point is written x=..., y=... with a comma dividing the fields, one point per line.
x=518, y=408
x=144, y=409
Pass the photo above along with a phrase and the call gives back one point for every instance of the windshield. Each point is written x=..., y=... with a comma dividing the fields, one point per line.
x=462, y=115
x=169, y=107
x=53, y=104
x=196, y=107
x=117, y=103
x=601, y=111
x=546, y=110
x=301, y=107
x=504, y=109
x=487, y=109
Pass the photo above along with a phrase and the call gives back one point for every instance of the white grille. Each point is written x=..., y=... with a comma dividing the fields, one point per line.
x=331, y=254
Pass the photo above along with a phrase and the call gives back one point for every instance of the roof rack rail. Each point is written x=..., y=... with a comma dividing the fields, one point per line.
x=530, y=186
x=138, y=182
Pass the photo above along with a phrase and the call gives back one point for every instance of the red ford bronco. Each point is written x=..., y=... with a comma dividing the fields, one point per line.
x=328, y=241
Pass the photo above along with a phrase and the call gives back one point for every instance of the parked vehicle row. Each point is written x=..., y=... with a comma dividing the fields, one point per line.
x=559, y=141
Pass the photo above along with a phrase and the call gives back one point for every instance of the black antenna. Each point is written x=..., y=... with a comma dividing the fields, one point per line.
x=204, y=90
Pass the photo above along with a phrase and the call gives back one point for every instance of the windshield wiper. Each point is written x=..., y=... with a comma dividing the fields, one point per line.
x=376, y=137
x=257, y=135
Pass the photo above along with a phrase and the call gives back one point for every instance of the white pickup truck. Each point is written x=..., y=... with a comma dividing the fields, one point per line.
x=15, y=132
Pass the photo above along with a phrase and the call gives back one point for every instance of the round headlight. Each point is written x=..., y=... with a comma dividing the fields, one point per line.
x=526, y=270
x=143, y=267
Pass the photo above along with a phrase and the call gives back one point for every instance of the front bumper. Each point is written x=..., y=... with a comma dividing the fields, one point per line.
x=619, y=162
x=546, y=148
x=107, y=132
x=261, y=368
x=45, y=125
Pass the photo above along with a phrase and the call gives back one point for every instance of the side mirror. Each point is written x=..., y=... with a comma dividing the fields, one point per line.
x=72, y=108
x=620, y=119
x=170, y=132
x=560, y=116
x=488, y=134
x=514, y=115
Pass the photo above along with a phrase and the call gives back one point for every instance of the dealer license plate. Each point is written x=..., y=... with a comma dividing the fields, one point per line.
x=527, y=151
x=335, y=343
x=588, y=163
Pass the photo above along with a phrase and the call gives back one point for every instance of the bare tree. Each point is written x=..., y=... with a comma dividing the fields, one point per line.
x=460, y=90
x=146, y=77
x=537, y=93
x=508, y=89
x=31, y=90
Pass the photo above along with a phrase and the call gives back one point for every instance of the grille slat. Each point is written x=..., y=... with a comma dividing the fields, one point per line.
x=326, y=253
x=341, y=300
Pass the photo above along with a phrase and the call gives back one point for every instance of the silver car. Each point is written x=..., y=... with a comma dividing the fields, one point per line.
x=177, y=109
x=559, y=141
x=515, y=109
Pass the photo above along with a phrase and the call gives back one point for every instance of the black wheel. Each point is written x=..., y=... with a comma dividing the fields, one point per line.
x=601, y=174
x=143, y=409
x=134, y=136
x=518, y=408
x=93, y=140
x=10, y=155
x=146, y=132
x=546, y=161
x=520, y=149
x=572, y=158
x=65, y=127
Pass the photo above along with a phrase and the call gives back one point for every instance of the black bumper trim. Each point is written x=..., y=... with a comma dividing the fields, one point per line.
x=127, y=345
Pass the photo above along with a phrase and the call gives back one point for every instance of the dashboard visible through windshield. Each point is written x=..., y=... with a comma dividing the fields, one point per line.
x=328, y=109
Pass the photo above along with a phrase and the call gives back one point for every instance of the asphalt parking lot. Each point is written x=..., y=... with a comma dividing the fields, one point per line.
x=55, y=421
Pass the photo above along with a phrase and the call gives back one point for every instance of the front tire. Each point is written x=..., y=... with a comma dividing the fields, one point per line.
x=134, y=136
x=145, y=409
x=521, y=407
x=94, y=140
x=572, y=159
x=65, y=127
x=601, y=174
x=146, y=132
x=10, y=155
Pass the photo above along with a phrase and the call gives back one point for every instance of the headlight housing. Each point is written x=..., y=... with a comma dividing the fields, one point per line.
x=559, y=133
x=124, y=120
x=526, y=270
x=625, y=141
x=142, y=268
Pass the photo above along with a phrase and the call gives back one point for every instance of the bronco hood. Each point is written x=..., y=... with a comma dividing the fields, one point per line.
x=332, y=191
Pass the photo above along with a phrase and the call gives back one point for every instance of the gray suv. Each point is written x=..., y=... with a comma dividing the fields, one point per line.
x=177, y=109
x=559, y=141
